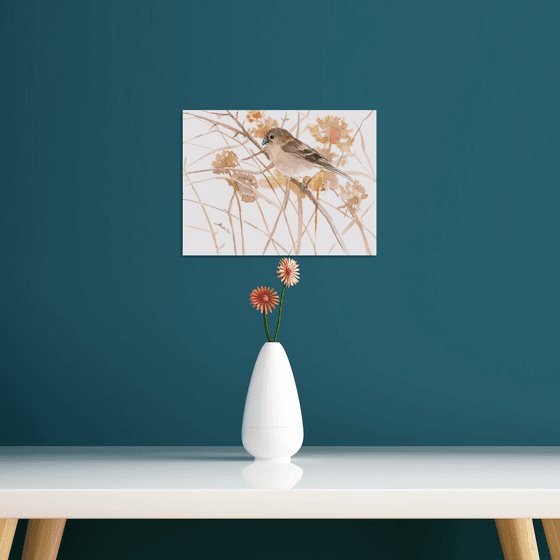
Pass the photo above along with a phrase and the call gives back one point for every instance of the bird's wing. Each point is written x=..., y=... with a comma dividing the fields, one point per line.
x=299, y=149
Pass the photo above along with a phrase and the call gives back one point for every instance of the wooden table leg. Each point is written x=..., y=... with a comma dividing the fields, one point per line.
x=42, y=539
x=517, y=537
x=552, y=532
x=7, y=532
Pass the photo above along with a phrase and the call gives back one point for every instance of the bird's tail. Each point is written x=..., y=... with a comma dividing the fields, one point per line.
x=336, y=170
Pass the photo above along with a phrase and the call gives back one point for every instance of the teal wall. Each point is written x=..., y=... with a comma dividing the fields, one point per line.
x=448, y=337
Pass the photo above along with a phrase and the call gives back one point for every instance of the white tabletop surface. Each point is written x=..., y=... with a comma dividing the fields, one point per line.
x=321, y=482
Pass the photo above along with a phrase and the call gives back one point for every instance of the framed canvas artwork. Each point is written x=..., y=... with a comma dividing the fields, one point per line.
x=259, y=182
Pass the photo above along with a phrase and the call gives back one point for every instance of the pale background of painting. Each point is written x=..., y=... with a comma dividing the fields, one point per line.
x=217, y=192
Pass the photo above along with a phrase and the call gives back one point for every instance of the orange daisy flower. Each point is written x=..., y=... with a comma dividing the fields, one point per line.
x=288, y=272
x=264, y=299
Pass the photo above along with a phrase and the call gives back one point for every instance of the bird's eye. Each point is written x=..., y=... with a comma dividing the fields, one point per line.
x=272, y=137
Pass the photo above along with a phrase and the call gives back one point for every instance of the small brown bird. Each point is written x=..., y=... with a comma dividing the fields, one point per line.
x=296, y=160
x=293, y=158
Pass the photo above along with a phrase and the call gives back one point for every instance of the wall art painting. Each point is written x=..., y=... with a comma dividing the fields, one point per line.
x=272, y=182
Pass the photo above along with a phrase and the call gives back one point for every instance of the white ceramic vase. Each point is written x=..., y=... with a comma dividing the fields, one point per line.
x=272, y=428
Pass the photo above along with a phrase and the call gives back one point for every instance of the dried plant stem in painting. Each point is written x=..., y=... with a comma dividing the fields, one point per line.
x=348, y=227
x=241, y=224
x=198, y=228
x=361, y=227
x=246, y=133
x=208, y=220
x=266, y=226
x=282, y=212
x=309, y=195
x=300, y=222
x=367, y=158
x=276, y=244
x=356, y=133
x=231, y=223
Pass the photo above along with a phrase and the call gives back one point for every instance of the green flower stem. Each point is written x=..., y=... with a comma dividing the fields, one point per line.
x=279, y=313
x=266, y=327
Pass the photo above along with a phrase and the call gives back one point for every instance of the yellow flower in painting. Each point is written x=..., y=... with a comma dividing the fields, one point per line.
x=253, y=116
x=223, y=160
x=242, y=183
x=275, y=179
x=262, y=126
x=272, y=180
x=263, y=123
x=332, y=131
x=352, y=195
x=247, y=194
x=323, y=181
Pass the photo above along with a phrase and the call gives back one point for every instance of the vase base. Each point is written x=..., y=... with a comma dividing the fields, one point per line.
x=272, y=444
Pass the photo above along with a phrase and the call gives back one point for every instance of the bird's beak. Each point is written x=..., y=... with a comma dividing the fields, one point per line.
x=264, y=141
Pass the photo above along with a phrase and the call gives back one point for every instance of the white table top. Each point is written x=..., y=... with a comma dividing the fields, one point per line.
x=321, y=482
